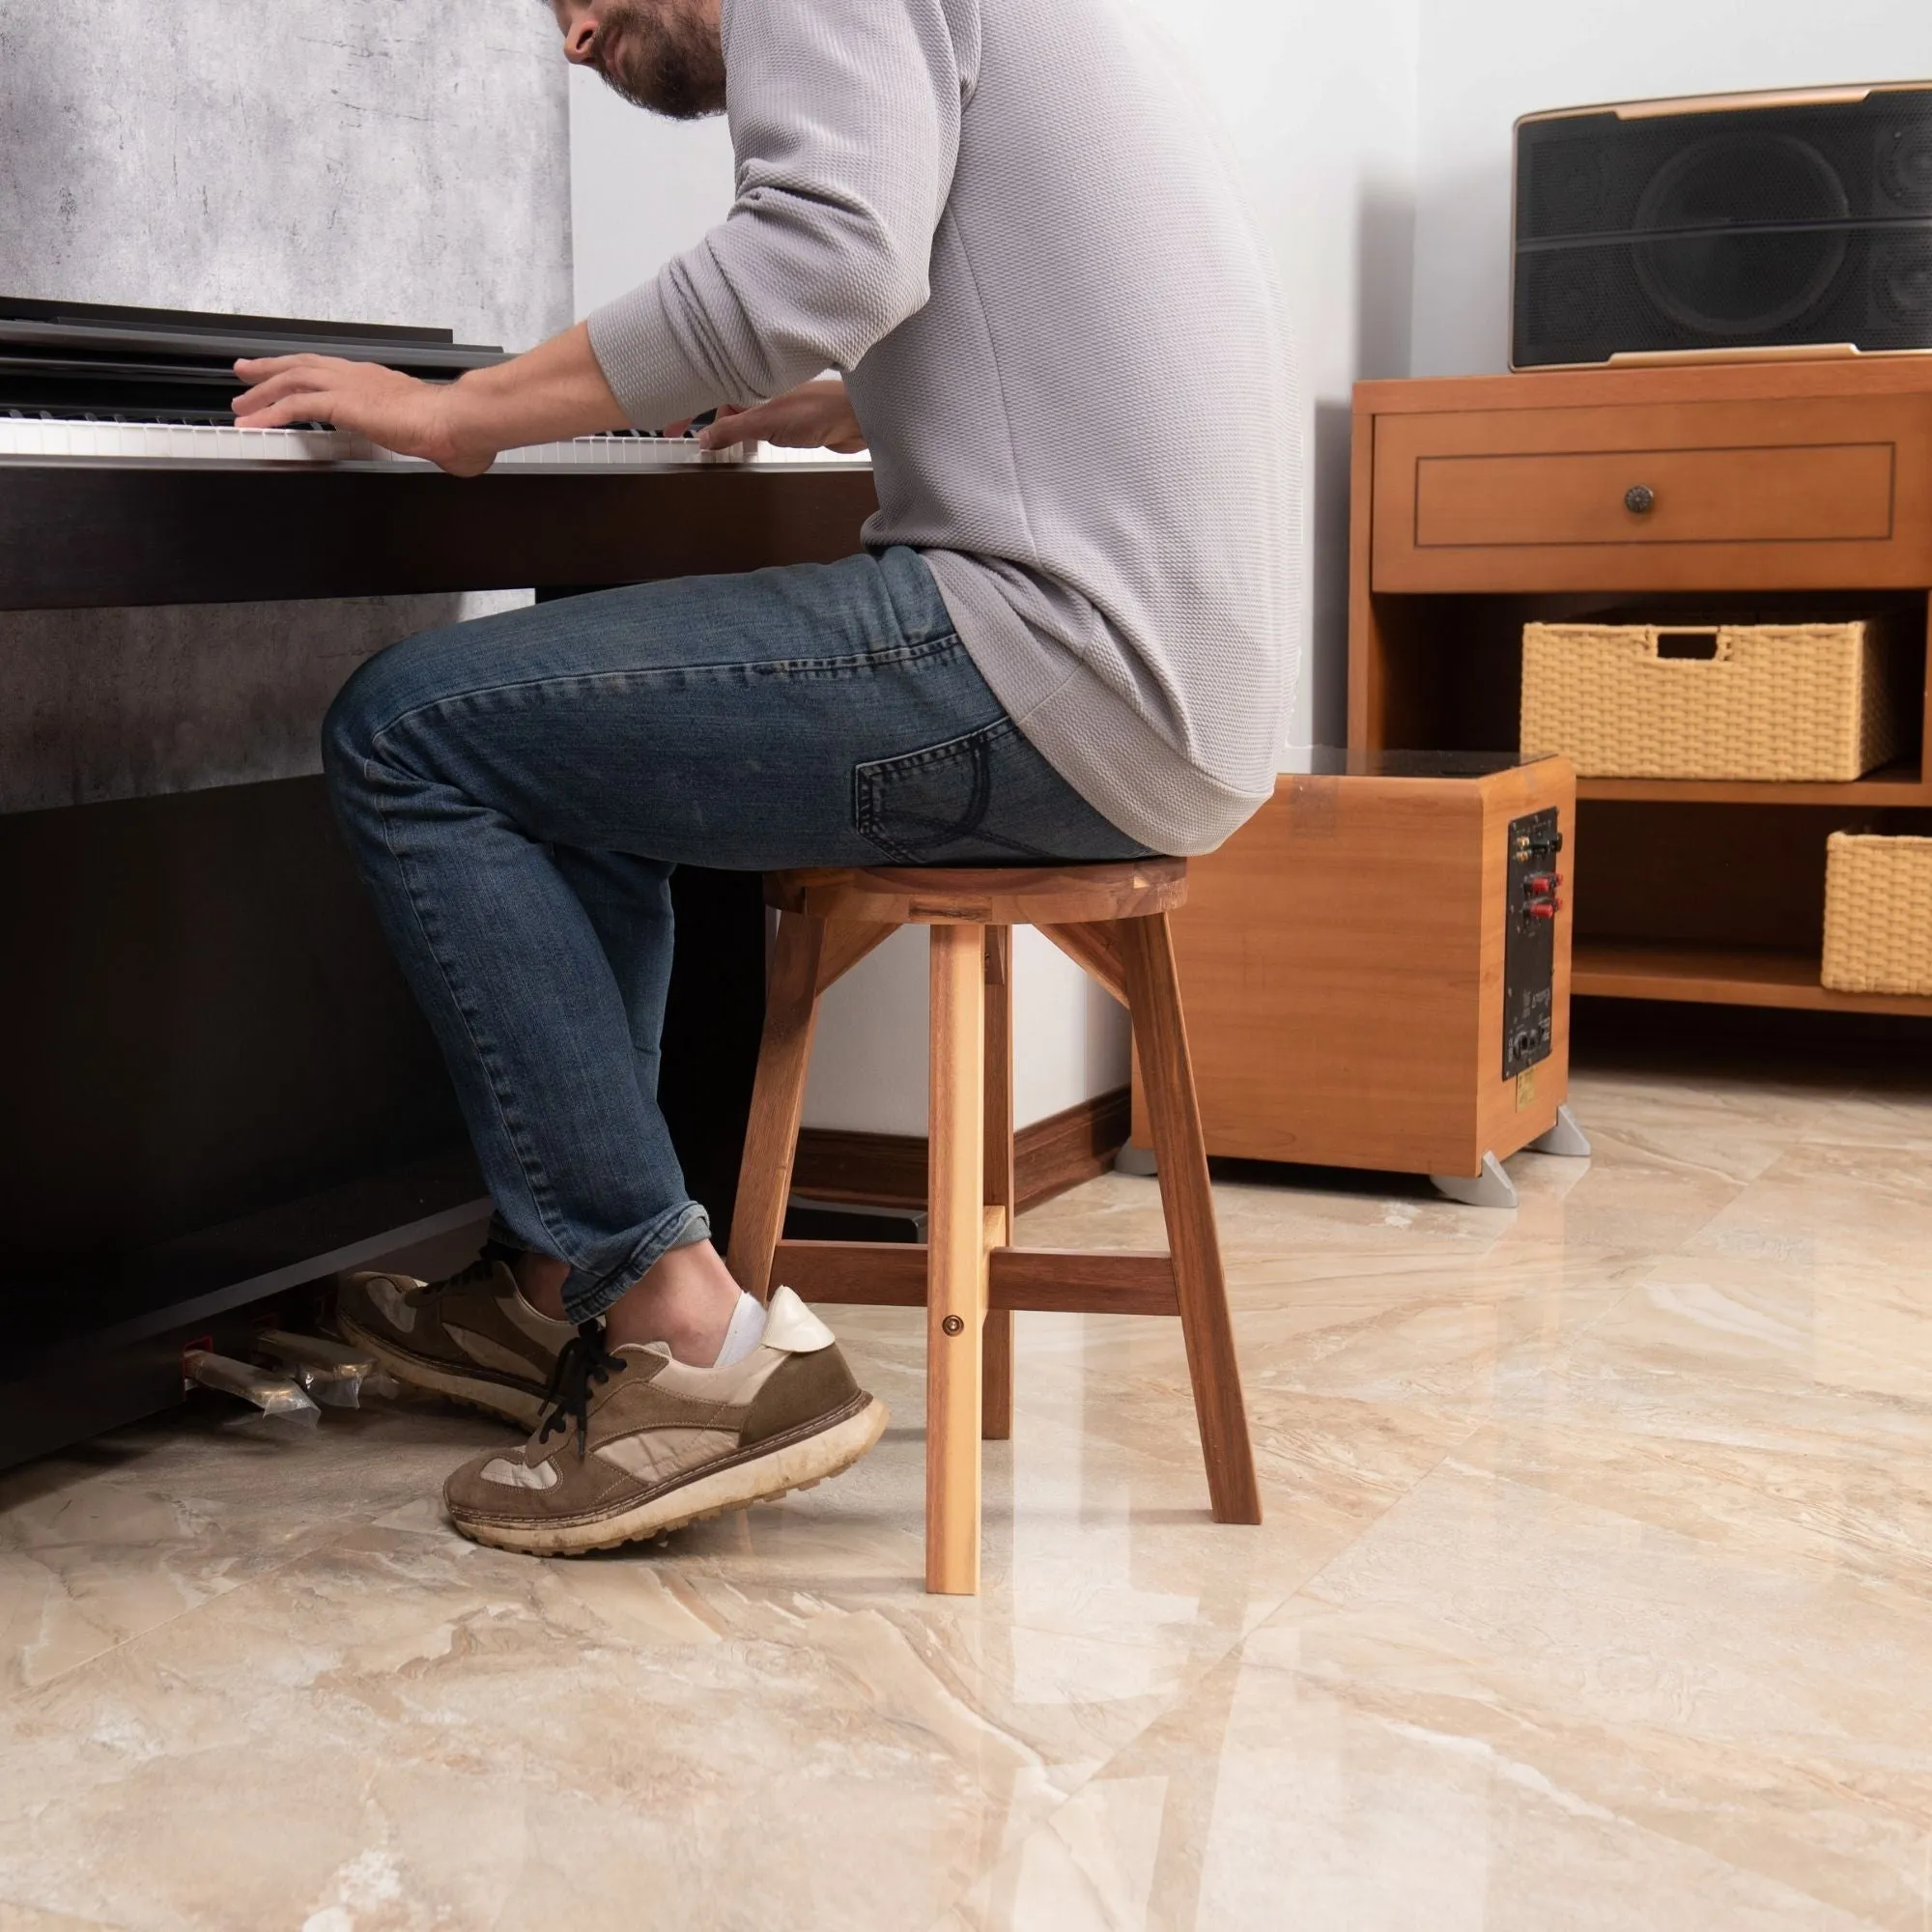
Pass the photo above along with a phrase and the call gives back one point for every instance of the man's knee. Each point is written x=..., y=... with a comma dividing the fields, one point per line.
x=383, y=691
x=347, y=730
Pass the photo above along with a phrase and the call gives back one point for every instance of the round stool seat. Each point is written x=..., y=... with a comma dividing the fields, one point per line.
x=983, y=895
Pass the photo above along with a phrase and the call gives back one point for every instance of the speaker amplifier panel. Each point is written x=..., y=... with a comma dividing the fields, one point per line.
x=1529, y=946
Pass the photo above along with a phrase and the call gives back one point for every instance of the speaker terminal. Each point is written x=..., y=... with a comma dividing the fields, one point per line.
x=1529, y=951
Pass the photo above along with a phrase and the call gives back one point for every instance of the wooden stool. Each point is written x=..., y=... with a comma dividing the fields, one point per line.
x=1113, y=921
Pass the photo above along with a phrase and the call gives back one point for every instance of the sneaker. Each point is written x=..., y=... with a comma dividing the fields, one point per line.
x=473, y=1337
x=637, y=1444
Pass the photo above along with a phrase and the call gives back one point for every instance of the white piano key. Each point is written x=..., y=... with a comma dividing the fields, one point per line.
x=36, y=438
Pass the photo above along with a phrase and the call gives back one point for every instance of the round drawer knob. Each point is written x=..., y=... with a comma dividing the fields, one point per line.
x=1640, y=499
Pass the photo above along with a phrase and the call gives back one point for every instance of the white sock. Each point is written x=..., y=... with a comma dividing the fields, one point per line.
x=746, y=1332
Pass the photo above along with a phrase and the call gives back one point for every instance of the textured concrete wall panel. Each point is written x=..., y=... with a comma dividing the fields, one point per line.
x=360, y=161
x=101, y=705
x=353, y=160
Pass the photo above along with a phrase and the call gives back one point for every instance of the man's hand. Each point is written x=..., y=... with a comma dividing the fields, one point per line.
x=413, y=418
x=817, y=415
x=556, y=392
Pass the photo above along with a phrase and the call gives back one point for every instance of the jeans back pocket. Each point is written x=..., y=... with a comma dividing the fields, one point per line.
x=985, y=799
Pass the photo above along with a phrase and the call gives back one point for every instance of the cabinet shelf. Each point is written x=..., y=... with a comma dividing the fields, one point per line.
x=1895, y=785
x=1722, y=977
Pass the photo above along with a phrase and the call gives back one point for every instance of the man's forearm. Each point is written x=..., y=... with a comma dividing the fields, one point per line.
x=549, y=395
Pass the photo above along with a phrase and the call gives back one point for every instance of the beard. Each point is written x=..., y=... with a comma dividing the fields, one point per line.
x=667, y=59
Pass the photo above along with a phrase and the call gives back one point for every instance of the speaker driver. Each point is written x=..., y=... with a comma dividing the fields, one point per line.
x=1905, y=165
x=1714, y=281
x=1902, y=281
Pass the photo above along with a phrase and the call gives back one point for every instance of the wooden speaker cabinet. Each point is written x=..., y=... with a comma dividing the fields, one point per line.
x=1376, y=969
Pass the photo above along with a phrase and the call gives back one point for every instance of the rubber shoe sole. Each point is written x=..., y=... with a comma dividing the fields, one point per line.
x=473, y=1388
x=775, y=1471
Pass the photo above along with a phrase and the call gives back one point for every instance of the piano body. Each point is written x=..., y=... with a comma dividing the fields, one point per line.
x=221, y=1091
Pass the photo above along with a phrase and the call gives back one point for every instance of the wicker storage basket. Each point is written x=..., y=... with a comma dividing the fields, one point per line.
x=1878, y=915
x=1817, y=701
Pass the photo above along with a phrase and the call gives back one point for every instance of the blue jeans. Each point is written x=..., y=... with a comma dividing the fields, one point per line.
x=517, y=792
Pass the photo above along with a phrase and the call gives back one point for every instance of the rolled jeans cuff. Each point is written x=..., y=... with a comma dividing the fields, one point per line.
x=502, y=1235
x=586, y=1295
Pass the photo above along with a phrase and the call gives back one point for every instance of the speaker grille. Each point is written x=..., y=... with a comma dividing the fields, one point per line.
x=1742, y=285
x=1570, y=186
x=1745, y=227
x=1587, y=305
x=1743, y=177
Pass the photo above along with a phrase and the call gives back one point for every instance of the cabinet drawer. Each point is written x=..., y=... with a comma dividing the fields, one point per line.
x=1818, y=494
x=1697, y=496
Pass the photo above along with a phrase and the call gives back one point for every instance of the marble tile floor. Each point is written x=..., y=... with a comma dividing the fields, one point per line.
x=1593, y=1594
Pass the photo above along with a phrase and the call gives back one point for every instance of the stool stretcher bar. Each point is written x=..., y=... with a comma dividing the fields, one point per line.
x=892, y=1274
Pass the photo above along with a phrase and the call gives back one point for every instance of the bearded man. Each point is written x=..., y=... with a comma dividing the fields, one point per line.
x=1010, y=228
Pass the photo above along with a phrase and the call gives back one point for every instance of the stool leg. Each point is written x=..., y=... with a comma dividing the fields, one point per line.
x=996, y=1416
x=1174, y=1110
x=777, y=1102
x=956, y=1259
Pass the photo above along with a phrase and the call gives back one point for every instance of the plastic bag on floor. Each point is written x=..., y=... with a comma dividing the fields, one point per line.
x=281, y=1405
x=334, y=1373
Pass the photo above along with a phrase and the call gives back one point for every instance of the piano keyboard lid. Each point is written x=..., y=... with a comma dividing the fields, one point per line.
x=97, y=333
x=90, y=360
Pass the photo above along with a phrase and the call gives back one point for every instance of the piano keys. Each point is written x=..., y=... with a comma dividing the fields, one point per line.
x=93, y=383
x=48, y=438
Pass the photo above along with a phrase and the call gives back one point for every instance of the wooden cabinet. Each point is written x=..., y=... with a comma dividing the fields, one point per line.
x=1755, y=492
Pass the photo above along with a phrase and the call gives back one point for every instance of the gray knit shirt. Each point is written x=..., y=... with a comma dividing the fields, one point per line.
x=1014, y=227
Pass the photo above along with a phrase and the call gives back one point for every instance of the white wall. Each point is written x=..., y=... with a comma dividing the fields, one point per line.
x=1486, y=62
x=869, y=1069
x=641, y=190
x=1321, y=104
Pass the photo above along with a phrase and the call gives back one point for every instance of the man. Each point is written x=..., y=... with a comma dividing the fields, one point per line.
x=1008, y=226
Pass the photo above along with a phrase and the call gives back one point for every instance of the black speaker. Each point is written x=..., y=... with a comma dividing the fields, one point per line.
x=1772, y=224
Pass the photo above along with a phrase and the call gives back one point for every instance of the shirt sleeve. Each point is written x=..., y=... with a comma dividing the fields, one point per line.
x=844, y=118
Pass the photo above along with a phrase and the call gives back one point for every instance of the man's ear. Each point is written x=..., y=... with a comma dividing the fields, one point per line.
x=576, y=21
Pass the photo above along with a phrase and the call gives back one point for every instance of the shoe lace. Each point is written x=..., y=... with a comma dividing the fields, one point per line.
x=480, y=1270
x=584, y=1364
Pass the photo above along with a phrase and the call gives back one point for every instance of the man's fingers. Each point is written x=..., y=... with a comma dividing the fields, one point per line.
x=306, y=404
x=273, y=388
x=735, y=426
x=310, y=406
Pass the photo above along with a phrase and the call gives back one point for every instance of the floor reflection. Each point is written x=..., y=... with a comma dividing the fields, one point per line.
x=1591, y=1596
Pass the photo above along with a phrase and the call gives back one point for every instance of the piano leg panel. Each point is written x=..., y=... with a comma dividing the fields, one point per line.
x=219, y=1090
